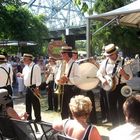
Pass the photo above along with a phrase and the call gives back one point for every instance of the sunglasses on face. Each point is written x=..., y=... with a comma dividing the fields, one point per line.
x=111, y=55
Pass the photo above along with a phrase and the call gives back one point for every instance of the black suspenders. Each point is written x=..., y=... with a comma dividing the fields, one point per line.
x=8, y=74
x=70, y=69
x=31, y=75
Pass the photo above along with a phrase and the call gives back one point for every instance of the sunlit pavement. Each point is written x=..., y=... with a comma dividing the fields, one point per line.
x=51, y=116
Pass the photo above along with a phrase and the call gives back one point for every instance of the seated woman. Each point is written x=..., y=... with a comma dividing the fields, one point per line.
x=6, y=110
x=77, y=128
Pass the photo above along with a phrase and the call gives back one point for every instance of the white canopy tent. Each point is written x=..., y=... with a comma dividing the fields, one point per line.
x=128, y=15
x=17, y=43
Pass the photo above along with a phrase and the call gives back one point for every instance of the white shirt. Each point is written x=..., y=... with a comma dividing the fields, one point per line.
x=135, y=66
x=74, y=74
x=127, y=131
x=36, y=77
x=4, y=75
x=52, y=73
x=107, y=69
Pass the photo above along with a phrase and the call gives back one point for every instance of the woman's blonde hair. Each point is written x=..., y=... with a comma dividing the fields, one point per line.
x=80, y=106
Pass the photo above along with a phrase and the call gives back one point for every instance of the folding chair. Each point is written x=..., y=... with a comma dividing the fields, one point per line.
x=1, y=136
x=48, y=131
x=6, y=129
x=63, y=137
x=24, y=130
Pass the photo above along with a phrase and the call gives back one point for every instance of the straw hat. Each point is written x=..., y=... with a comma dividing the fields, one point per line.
x=110, y=49
x=66, y=49
x=2, y=58
x=27, y=55
x=75, y=51
x=51, y=59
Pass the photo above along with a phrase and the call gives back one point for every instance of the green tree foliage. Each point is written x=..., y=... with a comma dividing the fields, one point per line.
x=83, y=6
x=125, y=37
x=101, y=6
x=19, y=24
x=81, y=45
x=16, y=3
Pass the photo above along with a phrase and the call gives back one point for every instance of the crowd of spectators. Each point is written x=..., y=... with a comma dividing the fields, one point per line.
x=17, y=65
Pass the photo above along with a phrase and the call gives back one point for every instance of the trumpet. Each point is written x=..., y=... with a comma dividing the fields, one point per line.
x=126, y=91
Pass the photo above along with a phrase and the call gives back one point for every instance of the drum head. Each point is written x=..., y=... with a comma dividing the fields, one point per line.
x=88, y=79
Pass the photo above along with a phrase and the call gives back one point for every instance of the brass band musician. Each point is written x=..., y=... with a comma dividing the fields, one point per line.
x=50, y=74
x=31, y=75
x=68, y=80
x=92, y=117
x=114, y=67
x=6, y=77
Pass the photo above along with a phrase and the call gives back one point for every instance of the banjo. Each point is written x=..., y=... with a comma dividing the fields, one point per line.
x=111, y=83
x=111, y=80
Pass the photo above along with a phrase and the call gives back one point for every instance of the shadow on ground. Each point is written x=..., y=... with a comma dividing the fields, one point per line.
x=51, y=116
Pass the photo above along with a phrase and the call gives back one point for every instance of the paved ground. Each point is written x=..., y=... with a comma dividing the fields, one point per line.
x=51, y=116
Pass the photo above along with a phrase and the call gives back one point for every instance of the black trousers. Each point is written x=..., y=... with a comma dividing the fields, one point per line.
x=52, y=98
x=116, y=100
x=104, y=104
x=32, y=101
x=69, y=92
x=92, y=118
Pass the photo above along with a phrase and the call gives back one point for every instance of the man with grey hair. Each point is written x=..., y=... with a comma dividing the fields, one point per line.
x=113, y=74
x=131, y=129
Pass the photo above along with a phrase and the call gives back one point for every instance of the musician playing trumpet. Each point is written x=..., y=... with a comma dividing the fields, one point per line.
x=68, y=78
x=64, y=79
x=51, y=69
x=113, y=74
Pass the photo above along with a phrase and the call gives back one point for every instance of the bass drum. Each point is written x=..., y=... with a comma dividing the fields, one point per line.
x=88, y=78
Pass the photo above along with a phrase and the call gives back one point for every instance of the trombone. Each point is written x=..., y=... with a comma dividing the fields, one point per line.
x=59, y=88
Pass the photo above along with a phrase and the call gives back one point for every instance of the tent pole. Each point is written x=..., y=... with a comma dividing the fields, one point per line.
x=105, y=25
x=88, y=37
x=88, y=34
